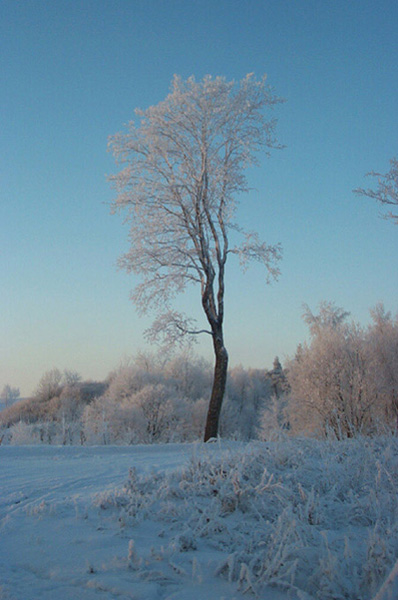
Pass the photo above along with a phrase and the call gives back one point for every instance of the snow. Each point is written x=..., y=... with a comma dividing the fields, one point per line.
x=298, y=519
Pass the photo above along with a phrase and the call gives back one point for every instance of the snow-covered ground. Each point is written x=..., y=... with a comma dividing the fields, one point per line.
x=297, y=519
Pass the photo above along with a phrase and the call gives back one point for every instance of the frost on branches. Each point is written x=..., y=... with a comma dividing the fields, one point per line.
x=386, y=191
x=345, y=381
x=183, y=166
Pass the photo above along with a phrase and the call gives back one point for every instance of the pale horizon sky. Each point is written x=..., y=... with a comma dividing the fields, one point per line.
x=72, y=74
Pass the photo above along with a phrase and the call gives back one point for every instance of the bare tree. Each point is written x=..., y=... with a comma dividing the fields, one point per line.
x=183, y=168
x=386, y=191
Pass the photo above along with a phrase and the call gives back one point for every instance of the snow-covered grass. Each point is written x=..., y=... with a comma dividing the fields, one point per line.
x=290, y=518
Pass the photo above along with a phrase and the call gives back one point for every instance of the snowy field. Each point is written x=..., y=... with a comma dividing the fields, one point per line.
x=282, y=520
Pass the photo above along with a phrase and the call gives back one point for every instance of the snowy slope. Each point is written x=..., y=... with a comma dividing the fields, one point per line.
x=289, y=519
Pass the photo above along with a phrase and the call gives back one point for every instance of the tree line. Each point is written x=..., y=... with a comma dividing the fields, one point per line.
x=145, y=400
x=342, y=382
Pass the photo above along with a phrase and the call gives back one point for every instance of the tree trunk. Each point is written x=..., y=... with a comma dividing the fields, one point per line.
x=218, y=390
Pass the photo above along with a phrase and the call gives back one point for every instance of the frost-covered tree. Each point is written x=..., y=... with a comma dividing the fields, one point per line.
x=152, y=414
x=183, y=168
x=190, y=374
x=383, y=343
x=386, y=191
x=277, y=379
x=329, y=317
x=70, y=407
x=71, y=377
x=248, y=391
x=333, y=380
x=49, y=385
x=149, y=399
x=9, y=395
x=132, y=375
x=159, y=408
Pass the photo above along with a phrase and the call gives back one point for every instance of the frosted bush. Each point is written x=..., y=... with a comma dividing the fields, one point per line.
x=249, y=393
x=24, y=434
x=107, y=421
x=152, y=414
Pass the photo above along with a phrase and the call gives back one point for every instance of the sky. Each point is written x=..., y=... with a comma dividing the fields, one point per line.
x=72, y=73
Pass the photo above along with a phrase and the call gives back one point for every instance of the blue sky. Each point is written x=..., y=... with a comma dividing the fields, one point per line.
x=73, y=72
